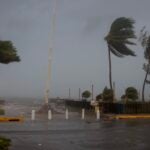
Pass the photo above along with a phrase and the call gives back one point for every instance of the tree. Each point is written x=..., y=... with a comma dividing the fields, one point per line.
x=86, y=94
x=145, y=42
x=131, y=93
x=99, y=97
x=146, y=68
x=107, y=95
x=8, y=52
x=121, y=31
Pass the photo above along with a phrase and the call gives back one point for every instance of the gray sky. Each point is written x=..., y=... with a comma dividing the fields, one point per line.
x=80, y=52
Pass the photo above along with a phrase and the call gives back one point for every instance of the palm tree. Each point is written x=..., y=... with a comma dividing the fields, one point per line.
x=121, y=31
x=145, y=42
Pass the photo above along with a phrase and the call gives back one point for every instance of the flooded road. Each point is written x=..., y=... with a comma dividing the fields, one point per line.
x=77, y=134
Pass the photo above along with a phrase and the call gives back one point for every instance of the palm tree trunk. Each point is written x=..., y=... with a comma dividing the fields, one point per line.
x=143, y=89
x=110, y=69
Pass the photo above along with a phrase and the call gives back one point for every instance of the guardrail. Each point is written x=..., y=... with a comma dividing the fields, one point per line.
x=11, y=119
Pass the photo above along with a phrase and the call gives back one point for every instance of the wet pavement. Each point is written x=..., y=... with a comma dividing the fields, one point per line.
x=77, y=134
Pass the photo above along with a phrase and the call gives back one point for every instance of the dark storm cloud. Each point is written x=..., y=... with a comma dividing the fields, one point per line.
x=80, y=52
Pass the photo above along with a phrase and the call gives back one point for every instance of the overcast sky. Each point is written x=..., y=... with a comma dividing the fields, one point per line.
x=79, y=58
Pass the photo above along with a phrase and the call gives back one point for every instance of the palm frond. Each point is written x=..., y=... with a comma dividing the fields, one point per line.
x=147, y=49
x=114, y=51
x=147, y=81
x=122, y=23
x=120, y=35
x=123, y=49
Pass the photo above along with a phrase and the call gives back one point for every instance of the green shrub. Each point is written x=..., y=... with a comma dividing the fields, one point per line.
x=107, y=95
x=131, y=93
x=2, y=112
x=4, y=143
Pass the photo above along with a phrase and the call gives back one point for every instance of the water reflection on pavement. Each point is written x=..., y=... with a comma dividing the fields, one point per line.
x=77, y=134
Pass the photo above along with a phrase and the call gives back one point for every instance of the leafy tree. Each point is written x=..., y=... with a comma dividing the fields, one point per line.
x=121, y=31
x=107, y=95
x=99, y=97
x=131, y=93
x=86, y=94
x=145, y=42
x=8, y=52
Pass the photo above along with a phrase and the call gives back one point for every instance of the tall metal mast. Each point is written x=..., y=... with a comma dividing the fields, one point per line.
x=51, y=42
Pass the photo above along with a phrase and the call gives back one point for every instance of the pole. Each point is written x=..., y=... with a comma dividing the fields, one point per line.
x=79, y=94
x=92, y=92
x=52, y=30
x=33, y=115
x=114, y=92
x=83, y=114
x=67, y=114
x=69, y=94
x=97, y=114
x=49, y=115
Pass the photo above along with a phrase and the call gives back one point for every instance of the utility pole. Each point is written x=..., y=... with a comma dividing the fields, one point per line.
x=92, y=92
x=69, y=93
x=139, y=95
x=79, y=94
x=114, y=92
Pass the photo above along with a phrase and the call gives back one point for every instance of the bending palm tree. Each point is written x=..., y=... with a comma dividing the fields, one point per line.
x=145, y=42
x=118, y=38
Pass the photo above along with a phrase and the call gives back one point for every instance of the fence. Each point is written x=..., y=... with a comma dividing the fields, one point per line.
x=127, y=108
x=116, y=108
x=78, y=104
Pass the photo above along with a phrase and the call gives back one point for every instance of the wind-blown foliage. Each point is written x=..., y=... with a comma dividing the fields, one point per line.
x=145, y=42
x=119, y=37
x=8, y=53
x=146, y=68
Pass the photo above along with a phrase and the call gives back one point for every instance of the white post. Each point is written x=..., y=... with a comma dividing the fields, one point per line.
x=33, y=115
x=83, y=114
x=67, y=114
x=49, y=115
x=97, y=114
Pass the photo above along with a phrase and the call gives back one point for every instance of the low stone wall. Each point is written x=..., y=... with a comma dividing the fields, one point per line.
x=78, y=104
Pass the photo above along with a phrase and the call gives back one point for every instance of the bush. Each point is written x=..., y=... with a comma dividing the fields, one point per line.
x=2, y=112
x=131, y=93
x=107, y=95
x=4, y=143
